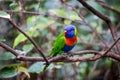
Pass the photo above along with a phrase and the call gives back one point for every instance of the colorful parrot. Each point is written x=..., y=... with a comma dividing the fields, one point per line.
x=64, y=42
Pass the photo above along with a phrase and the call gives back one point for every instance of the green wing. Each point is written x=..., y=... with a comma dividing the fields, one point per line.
x=58, y=45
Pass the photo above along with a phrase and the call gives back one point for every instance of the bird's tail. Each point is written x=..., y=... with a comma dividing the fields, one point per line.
x=46, y=66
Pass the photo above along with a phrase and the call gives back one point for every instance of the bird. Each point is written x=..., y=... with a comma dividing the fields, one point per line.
x=64, y=42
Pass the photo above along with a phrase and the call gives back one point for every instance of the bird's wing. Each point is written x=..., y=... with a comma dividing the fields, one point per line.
x=58, y=45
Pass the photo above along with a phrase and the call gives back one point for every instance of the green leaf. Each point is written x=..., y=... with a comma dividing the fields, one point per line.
x=99, y=29
x=15, y=65
x=35, y=55
x=108, y=62
x=7, y=56
x=39, y=22
x=51, y=66
x=42, y=23
x=4, y=15
x=2, y=38
x=65, y=14
x=85, y=37
x=73, y=16
x=8, y=72
x=25, y=70
x=19, y=39
x=82, y=68
x=31, y=21
x=67, y=22
x=58, y=12
x=28, y=47
x=13, y=5
x=96, y=6
x=36, y=67
x=20, y=52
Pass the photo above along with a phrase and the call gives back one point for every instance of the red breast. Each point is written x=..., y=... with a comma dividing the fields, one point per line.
x=70, y=41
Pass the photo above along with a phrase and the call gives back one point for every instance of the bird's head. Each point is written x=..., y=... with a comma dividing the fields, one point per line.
x=69, y=31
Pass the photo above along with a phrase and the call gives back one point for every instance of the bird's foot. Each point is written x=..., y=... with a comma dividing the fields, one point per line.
x=71, y=54
x=64, y=55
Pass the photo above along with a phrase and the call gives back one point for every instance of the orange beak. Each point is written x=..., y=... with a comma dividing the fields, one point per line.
x=65, y=32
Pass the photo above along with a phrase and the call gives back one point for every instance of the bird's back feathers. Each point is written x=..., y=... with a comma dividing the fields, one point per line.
x=58, y=45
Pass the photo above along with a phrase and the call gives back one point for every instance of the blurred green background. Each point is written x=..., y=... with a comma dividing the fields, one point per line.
x=44, y=28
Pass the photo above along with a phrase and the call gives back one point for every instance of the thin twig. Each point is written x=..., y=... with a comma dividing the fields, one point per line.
x=117, y=26
x=95, y=65
x=25, y=12
x=23, y=16
x=108, y=6
x=91, y=44
x=111, y=46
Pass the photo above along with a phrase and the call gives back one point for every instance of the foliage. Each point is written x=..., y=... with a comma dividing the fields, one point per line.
x=4, y=15
x=44, y=27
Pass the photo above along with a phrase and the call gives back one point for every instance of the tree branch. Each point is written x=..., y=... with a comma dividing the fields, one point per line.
x=103, y=17
x=9, y=49
x=64, y=58
x=32, y=41
x=86, y=23
x=25, y=12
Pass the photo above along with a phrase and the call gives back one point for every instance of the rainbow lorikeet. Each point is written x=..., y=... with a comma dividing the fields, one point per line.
x=65, y=41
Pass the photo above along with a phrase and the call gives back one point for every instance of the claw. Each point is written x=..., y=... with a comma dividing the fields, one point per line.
x=71, y=53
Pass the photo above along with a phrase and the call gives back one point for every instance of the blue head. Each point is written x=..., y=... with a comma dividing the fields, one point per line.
x=69, y=31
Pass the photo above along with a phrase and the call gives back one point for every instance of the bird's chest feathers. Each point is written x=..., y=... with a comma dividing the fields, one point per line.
x=70, y=41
